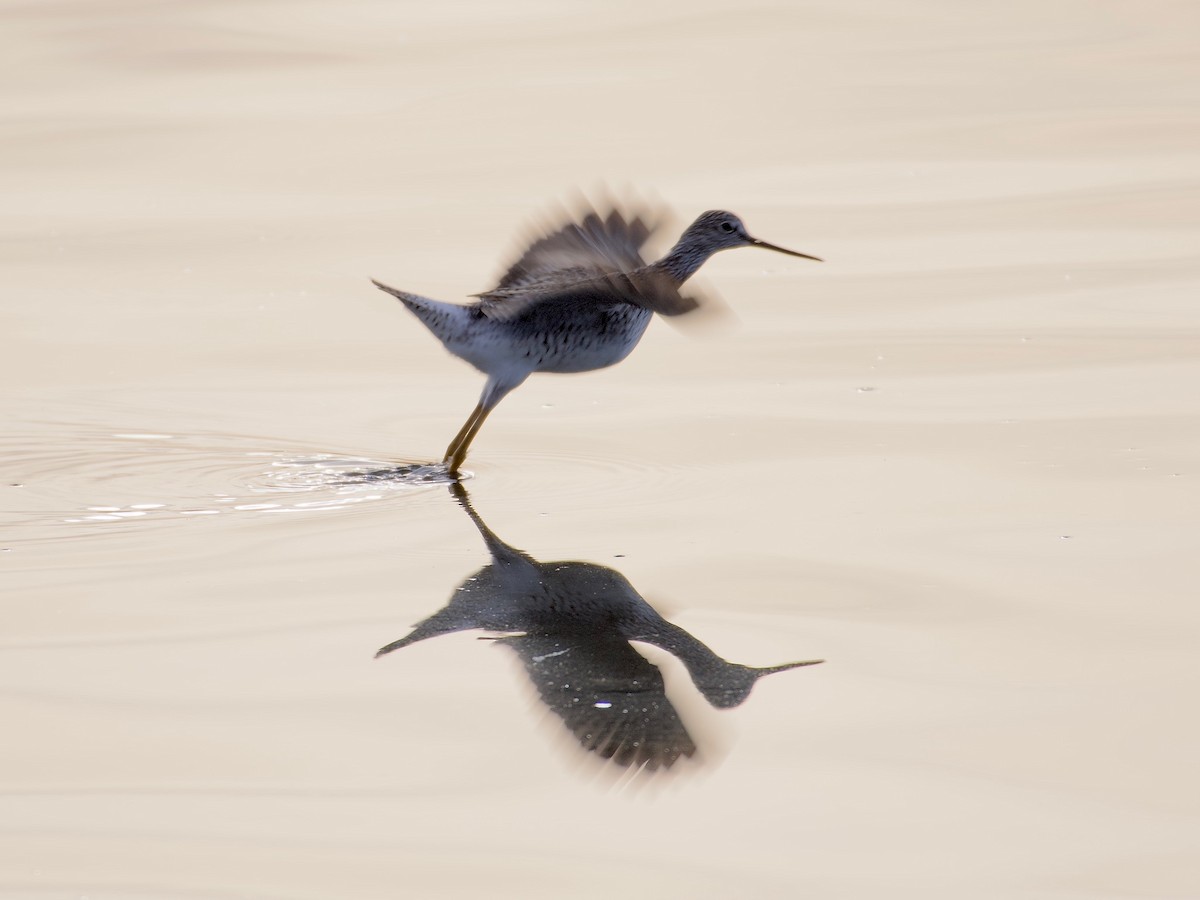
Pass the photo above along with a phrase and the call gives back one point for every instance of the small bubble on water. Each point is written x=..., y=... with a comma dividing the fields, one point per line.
x=866, y=389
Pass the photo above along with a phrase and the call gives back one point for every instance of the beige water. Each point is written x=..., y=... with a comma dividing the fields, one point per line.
x=957, y=460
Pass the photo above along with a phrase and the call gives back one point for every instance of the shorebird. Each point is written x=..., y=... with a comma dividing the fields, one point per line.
x=578, y=298
x=571, y=624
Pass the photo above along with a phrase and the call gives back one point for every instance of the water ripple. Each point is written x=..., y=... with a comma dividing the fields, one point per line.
x=75, y=482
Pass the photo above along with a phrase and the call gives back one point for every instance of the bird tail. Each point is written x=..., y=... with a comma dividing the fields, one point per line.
x=446, y=320
x=409, y=300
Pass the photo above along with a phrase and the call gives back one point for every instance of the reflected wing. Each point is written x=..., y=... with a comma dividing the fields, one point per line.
x=609, y=696
x=634, y=730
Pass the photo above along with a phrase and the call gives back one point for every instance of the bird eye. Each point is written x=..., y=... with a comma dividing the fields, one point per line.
x=727, y=226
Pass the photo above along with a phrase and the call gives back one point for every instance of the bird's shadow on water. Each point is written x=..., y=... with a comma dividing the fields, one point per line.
x=570, y=624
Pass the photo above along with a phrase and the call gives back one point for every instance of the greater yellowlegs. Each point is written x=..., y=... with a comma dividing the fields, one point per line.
x=578, y=298
x=570, y=623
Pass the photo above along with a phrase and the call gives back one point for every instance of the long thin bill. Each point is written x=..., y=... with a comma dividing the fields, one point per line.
x=766, y=246
x=770, y=670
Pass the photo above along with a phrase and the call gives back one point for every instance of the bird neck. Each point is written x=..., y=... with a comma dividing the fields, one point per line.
x=682, y=260
x=723, y=684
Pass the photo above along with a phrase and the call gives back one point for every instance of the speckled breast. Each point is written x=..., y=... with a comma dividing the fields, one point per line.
x=586, y=338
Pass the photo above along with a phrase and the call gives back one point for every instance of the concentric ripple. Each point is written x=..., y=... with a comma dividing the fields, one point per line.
x=67, y=483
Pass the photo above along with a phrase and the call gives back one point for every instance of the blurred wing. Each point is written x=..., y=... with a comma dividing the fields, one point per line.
x=590, y=245
x=648, y=289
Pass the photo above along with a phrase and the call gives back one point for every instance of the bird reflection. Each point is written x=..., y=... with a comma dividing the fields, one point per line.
x=570, y=624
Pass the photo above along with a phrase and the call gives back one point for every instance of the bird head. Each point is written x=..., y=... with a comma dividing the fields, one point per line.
x=720, y=230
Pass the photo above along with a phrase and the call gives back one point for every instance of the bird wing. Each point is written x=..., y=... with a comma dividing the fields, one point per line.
x=645, y=288
x=594, y=257
x=590, y=243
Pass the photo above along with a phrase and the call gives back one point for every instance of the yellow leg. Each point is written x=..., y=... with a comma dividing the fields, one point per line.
x=457, y=451
x=493, y=392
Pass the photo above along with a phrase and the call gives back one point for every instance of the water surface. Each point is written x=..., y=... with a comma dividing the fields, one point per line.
x=956, y=460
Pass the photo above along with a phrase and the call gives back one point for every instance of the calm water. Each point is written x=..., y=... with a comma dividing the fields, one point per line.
x=956, y=461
